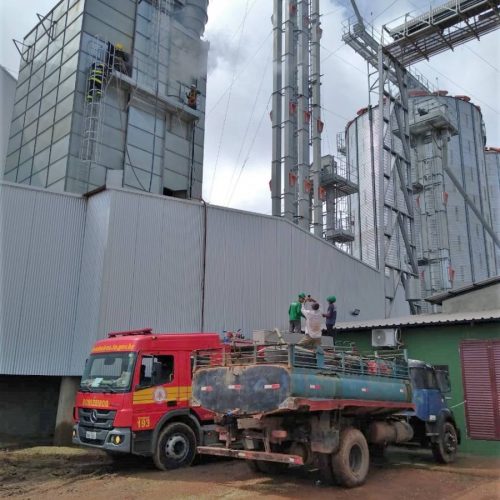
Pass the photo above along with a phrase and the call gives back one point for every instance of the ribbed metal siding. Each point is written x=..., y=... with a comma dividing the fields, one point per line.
x=256, y=265
x=42, y=237
x=493, y=182
x=466, y=159
x=153, y=263
x=73, y=269
x=481, y=379
x=471, y=251
x=86, y=328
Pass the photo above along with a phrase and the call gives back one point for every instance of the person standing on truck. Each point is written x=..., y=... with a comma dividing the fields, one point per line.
x=314, y=326
x=295, y=313
x=331, y=315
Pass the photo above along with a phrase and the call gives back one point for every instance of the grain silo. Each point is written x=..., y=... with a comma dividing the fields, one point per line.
x=453, y=208
x=492, y=156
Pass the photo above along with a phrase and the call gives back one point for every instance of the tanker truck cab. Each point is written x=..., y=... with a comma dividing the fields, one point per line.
x=432, y=421
x=134, y=397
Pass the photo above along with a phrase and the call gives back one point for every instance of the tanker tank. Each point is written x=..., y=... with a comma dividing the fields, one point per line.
x=282, y=378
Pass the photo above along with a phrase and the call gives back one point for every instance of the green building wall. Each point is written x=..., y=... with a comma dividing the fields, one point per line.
x=440, y=345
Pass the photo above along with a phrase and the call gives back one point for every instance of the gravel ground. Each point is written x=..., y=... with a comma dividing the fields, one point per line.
x=50, y=472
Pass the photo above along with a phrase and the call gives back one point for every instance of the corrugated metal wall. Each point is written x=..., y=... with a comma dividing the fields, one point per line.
x=40, y=251
x=72, y=270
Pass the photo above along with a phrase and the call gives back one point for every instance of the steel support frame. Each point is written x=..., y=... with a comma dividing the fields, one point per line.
x=393, y=102
x=428, y=35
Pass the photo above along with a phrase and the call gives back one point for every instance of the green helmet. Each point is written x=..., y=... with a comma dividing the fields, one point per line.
x=331, y=298
x=302, y=295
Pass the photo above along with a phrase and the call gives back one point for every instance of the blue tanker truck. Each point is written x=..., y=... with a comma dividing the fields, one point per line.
x=281, y=406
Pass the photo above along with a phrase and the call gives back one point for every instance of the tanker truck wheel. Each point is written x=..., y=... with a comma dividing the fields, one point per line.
x=351, y=463
x=445, y=449
x=324, y=463
x=176, y=447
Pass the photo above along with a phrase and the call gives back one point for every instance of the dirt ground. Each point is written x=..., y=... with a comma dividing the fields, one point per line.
x=49, y=472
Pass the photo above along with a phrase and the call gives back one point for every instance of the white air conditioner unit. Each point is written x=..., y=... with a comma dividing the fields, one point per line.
x=386, y=337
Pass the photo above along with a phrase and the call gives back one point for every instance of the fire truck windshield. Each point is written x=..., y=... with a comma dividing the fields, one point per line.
x=110, y=372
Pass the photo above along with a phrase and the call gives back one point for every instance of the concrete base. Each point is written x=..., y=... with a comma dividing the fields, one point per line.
x=28, y=407
x=64, y=417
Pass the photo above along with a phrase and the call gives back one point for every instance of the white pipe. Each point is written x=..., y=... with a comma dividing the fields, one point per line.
x=290, y=94
x=277, y=112
x=303, y=124
x=316, y=115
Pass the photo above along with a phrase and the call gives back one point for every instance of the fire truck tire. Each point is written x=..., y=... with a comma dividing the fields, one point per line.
x=351, y=463
x=445, y=449
x=175, y=447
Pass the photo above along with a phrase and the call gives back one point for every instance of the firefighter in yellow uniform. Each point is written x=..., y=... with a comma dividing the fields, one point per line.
x=192, y=97
x=97, y=79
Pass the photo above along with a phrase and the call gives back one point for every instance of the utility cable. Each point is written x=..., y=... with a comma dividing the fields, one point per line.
x=464, y=89
x=132, y=167
x=335, y=114
x=266, y=111
x=333, y=53
x=245, y=67
x=482, y=58
x=384, y=11
x=254, y=107
x=227, y=104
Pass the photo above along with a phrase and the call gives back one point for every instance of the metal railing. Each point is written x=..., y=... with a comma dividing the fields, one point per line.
x=341, y=359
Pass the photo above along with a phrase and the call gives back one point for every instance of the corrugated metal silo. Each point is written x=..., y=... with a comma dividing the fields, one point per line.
x=492, y=157
x=453, y=248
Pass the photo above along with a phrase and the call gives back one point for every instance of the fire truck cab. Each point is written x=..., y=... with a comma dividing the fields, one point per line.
x=134, y=397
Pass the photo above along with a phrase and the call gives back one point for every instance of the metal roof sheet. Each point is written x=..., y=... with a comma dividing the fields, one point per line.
x=423, y=319
x=439, y=297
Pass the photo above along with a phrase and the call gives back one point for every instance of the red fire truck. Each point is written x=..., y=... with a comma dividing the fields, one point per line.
x=134, y=397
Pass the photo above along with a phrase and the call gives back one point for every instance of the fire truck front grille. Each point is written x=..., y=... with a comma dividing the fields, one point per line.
x=96, y=418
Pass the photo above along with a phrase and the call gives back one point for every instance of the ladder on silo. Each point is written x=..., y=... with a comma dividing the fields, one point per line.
x=93, y=111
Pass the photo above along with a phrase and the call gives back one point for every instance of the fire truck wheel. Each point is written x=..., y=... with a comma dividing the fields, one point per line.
x=445, y=449
x=351, y=463
x=176, y=447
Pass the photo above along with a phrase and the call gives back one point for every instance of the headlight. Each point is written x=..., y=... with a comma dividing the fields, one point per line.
x=117, y=439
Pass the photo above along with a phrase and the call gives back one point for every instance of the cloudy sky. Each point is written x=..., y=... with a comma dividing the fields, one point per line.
x=238, y=127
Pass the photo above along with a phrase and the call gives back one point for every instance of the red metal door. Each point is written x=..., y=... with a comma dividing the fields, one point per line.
x=481, y=380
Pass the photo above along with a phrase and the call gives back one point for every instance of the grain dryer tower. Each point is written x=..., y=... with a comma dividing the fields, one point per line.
x=402, y=147
x=455, y=186
x=112, y=91
x=453, y=209
x=492, y=156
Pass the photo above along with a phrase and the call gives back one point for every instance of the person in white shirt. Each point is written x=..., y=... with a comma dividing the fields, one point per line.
x=314, y=326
